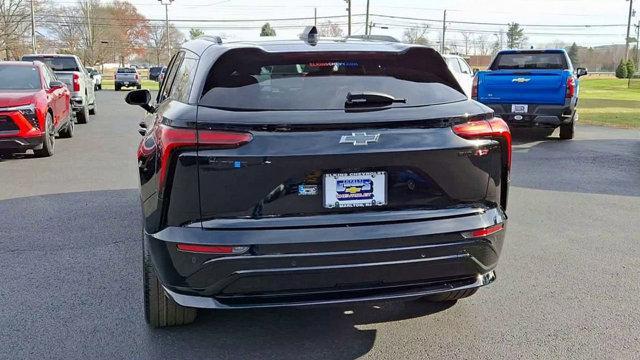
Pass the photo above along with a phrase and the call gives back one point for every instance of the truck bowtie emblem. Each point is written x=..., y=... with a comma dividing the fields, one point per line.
x=520, y=80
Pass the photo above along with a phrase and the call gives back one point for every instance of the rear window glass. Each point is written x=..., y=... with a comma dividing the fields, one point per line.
x=56, y=63
x=127, y=71
x=525, y=60
x=19, y=77
x=250, y=79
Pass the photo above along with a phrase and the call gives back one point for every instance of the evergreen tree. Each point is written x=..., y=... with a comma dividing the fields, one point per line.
x=195, y=33
x=573, y=55
x=631, y=68
x=267, y=30
x=621, y=70
x=515, y=36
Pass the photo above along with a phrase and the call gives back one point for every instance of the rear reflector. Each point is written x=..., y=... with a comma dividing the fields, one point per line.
x=483, y=232
x=212, y=249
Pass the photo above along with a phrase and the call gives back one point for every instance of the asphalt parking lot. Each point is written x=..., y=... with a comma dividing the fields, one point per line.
x=568, y=280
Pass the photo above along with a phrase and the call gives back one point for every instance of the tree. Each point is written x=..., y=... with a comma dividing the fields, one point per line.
x=416, y=35
x=267, y=30
x=515, y=36
x=329, y=29
x=157, y=43
x=621, y=70
x=482, y=44
x=573, y=54
x=499, y=43
x=467, y=37
x=132, y=32
x=631, y=68
x=15, y=26
x=195, y=33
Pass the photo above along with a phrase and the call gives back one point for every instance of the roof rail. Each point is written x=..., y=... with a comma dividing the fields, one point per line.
x=213, y=38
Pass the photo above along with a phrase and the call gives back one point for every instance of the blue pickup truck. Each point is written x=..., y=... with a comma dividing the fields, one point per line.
x=531, y=88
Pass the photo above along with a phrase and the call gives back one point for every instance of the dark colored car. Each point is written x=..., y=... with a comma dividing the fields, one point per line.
x=298, y=173
x=532, y=89
x=154, y=72
x=34, y=108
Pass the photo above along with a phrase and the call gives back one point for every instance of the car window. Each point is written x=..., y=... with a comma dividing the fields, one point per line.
x=464, y=66
x=47, y=77
x=453, y=64
x=170, y=75
x=56, y=63
x=183, y=80
x=18, y=77
x=249, y=79
x=530, y=60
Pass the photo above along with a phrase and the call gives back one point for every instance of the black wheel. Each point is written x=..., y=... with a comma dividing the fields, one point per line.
x=67, y=132
x=159, y=309
x=100, y=86
x=48, y=139
x=451, y=295
x=95, y=87
x=93, y=109
x=117, y=87
x=567, y=131
x=83, y=115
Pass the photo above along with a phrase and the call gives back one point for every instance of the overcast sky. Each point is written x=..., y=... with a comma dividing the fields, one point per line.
x=526, y=12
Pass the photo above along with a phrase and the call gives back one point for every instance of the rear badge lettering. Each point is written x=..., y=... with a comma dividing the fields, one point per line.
x=307, y=190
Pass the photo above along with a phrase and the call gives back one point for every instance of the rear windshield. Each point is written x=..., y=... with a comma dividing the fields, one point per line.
x=19, y=77
x=127, y=71
x=56, y=63
x=250, y=79
x=533, y=60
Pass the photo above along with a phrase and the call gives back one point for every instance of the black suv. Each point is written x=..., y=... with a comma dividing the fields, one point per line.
x=310, y=172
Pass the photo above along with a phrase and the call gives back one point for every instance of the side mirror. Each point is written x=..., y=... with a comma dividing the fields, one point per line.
x=140, y=98
x=581, y=72
x=56, y=84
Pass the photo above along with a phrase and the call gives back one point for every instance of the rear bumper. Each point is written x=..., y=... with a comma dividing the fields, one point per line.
x=128, y=83
x=311, y=266
x=537, y=116
x=77, y=102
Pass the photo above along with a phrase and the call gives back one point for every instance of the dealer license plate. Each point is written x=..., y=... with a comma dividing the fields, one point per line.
x=519, y=108
x=361, y=189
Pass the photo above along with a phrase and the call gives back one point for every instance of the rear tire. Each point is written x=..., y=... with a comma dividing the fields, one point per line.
x=68, y=130
x=567, y=131
x=159, y=309
x=117, y=87
x=93, y=109
x=83, y=115
x=49, y=139
x=451, y=295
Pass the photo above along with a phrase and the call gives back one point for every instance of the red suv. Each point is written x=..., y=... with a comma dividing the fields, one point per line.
x=34, y=108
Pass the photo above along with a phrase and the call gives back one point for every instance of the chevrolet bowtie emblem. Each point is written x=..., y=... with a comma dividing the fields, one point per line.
x=358, y=139
x=520, y=80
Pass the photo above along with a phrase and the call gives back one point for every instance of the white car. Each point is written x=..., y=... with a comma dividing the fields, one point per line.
x=461, y=70
x=96, y=77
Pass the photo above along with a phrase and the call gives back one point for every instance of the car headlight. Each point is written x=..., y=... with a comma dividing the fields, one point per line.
x=28, y=111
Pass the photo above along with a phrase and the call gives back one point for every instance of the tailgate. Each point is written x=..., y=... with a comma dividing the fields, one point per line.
x=522, y=87
x=128, y=77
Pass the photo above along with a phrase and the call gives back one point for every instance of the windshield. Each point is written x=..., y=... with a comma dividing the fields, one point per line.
x=250, y=79
x=19, y=77
x=533, y=60
x=127, y=71
x=56, y=63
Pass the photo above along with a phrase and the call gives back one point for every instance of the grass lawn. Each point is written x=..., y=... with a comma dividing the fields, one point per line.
x=608, y=101
x=107, y=84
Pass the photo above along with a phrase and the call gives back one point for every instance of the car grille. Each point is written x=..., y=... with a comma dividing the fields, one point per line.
x=6, y=124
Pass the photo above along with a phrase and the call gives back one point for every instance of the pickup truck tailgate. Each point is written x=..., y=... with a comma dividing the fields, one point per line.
x=522, y=87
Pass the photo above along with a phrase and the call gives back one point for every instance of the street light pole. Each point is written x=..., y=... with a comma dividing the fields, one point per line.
x=33, y=29
x=349, y=16
x=626, y=51
x=366, y=21
x=166, y=4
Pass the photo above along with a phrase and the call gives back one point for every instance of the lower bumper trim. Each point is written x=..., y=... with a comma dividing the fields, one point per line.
x=212, y=303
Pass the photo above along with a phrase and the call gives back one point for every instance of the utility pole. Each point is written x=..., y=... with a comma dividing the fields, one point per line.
x=366, y=21
x=315, y=16
x=444, y=30
x=637, y=45
x=89, y=32
x=33, y=29
x=626, y=52
x=166, y=4
x=349, y=15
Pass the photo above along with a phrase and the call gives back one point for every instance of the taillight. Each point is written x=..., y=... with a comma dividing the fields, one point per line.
x=115, y=77
x=474, y=88
x=137, y=76
x=494, y=128
x=571, y=87
x=170, y=139
x=212, y=249
x=76, y=82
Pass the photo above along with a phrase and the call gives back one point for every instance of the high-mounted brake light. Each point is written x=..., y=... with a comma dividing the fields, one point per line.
x=494, y=128
x=483, y=232
x=169, y=139
x=571, y=87
x=212, y=249
x=76, y=82
x=474, y=88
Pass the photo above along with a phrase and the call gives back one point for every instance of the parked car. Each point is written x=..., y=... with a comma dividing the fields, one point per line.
x=154, y=71
x=34, y=108
x=96, y=76
x=364, y=175
x=69, y=69
x=127, y=77
x=461, y=70
x=163, y=72
x=532, y=88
